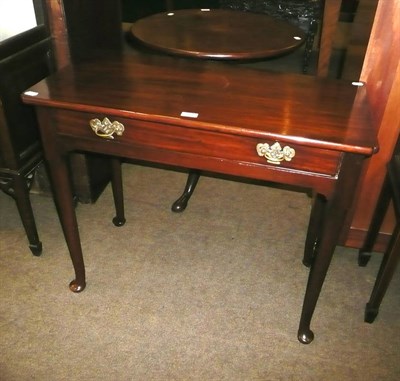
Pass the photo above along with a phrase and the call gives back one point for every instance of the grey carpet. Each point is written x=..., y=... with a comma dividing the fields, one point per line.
x=214, y=293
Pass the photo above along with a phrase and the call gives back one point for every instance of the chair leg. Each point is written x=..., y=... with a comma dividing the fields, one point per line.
x=22, y=199
x=385, y=274
x=314, y=230
x=118, y=194
x=181, y=203
x=376, y=222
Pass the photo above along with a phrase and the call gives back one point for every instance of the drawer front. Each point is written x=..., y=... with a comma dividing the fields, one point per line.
x=172, y=138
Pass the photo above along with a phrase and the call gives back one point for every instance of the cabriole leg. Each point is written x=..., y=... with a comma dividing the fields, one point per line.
x=337, y=206
x=181, y=203
x=66, y=208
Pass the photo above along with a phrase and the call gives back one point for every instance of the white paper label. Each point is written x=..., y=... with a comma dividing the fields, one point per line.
x=189, y=114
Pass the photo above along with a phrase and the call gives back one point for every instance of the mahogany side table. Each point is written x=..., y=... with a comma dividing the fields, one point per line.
x=295, y=129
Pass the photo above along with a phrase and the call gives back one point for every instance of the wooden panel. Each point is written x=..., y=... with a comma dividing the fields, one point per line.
x=381, y=72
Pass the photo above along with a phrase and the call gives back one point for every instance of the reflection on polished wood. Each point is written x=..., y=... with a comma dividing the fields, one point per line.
x=207, y=116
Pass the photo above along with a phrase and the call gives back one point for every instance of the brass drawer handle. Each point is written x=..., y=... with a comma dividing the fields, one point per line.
x=106, y=129
x=275, y=153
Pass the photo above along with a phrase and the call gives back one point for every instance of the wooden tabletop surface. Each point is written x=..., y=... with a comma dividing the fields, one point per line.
x=313, y=111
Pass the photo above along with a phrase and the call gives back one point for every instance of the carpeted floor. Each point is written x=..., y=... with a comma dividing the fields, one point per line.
x=214, y=293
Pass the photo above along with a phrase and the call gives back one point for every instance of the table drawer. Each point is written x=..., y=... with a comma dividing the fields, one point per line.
x=197, y=141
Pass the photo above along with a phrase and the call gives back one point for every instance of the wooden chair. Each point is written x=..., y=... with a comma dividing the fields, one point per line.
x=24, y=60
x=390, y=192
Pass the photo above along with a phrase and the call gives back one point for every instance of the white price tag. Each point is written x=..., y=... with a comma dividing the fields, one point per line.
x=189, y=114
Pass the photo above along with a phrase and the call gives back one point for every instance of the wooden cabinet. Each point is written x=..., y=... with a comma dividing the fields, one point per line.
x=381, y=72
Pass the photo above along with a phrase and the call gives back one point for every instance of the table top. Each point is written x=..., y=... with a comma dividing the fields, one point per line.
x=221, y=34
x=317, y=112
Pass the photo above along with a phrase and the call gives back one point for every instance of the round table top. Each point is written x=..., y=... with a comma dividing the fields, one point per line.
x=222, y=34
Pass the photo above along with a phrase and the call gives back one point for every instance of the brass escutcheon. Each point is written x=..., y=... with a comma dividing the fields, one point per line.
x=106, y=129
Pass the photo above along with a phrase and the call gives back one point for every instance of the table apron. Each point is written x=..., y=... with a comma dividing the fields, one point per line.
x=199, y=148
